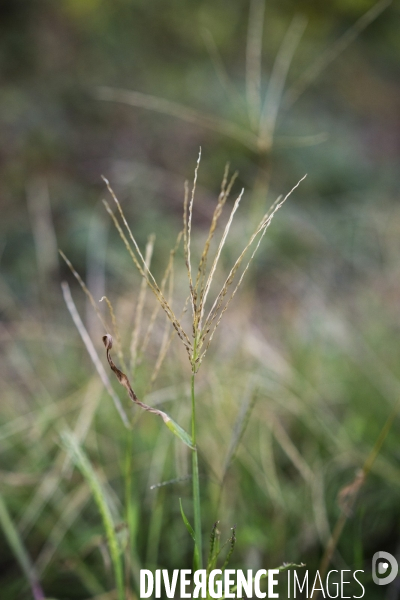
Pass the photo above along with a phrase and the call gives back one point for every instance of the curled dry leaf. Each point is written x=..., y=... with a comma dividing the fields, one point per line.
x=124, y=381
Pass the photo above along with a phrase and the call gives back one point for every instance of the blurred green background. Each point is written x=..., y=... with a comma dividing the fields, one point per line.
x=305, y=370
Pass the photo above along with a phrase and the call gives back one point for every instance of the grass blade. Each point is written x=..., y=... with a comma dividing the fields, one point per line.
x=277, y=81
x=192, y=534
x=178, y=431
x=253, y=60
x=325, y=58
x=174, y=109
x=92, y=351
x=82, y=462
x=20, y=553
x=185, y=520
x=85, y=290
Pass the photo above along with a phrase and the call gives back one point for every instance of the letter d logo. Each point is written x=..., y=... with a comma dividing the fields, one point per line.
x=383, y=567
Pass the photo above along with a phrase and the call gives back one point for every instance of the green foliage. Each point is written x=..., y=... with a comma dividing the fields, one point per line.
x=83, y=464
x=305, y=368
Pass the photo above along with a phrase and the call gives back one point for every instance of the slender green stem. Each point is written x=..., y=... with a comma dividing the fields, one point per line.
x=195, y=474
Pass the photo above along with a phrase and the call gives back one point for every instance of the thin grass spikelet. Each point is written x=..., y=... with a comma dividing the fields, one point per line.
x=205, y=321
x=144, y=271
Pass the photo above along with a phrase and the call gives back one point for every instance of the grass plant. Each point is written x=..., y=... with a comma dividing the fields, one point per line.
x=206, y=315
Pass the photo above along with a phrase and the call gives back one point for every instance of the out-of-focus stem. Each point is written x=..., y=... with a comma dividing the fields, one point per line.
x=195, y=470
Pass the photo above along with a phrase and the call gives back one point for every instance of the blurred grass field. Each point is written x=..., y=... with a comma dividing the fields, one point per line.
x=305, y=369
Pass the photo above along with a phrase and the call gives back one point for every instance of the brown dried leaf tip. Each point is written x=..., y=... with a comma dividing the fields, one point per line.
x=123, y=379
x=107, y=341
